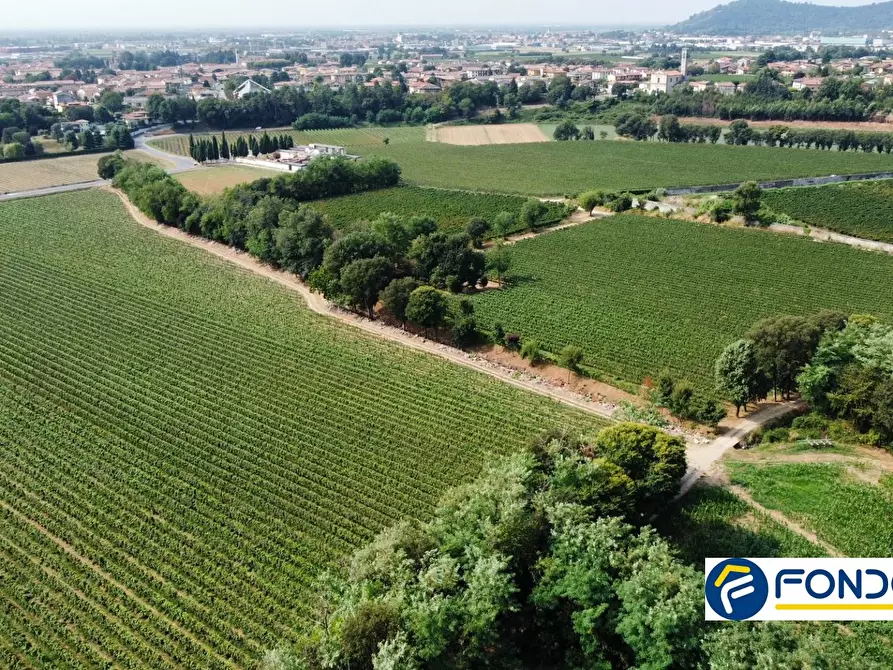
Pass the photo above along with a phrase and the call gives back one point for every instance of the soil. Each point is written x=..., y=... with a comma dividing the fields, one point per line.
x=510, y=133
x=590, y=388
x=836, y=125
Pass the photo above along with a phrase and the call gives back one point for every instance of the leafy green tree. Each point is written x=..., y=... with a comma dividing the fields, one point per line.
x=499, y=261
x=591, y=199
x=783, y=345
x=532, y=351
x=503, y=224
x=587, y=133
x=109, y=166
x=738, y=376
x=746, y=199
x=301, y=238
x=533, y=211
x=566, y=130
x=224, y=147
x=570, y=357
x=395, y=297
x=363, y=280
x=477, y=229
x=428, y=308
x=669, y=129
x=654, y=460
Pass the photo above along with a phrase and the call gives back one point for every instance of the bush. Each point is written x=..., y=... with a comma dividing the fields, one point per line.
x=513, y=341
x=621, y=203
x=531, y=350
x=111, y=165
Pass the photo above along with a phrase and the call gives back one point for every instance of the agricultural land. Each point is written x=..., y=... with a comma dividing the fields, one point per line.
x=450, y=209
x=510, y=133
x=212, y=180
x=47, y=172
x=633, y=291
x=184, y=446
x=863, y=210
x=556, y=168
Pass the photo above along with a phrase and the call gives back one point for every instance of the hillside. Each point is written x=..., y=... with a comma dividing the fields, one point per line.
x=755, y=17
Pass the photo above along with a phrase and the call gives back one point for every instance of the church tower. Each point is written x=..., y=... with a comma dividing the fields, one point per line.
x=684, y=66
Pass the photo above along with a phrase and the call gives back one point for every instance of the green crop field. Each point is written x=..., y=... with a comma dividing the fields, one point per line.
x=183, y=445
x=711, y=521
x=640, y=293
x=347, y=137
x=451, y=209
x=864, y=209
x=557, y=168
x=840, y=508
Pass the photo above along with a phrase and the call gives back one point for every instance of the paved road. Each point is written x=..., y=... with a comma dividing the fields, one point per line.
x=181, y=163
x=49, y=190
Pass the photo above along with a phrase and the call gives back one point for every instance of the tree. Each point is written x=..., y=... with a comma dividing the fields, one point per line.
x=215, y=149
x=109, y=166
x=566, y=130
x=669, y=129
x=746, y=199
x=653, y=459
x=499, y=261
x=112, y=100
x=428, y=308
x=14, y=150
x=301, y=240
x=739, y=133
x=532, y=212
x=738, y=376
x=570, y=357
x=191, y=145
x=783, y=346
x=531, y=350
x=591, y=199
x=363, y=280
x=503, y=224
x=477, y=229
x=224, y=147
x=395, y=297
x=587, y=133
x=447, y=260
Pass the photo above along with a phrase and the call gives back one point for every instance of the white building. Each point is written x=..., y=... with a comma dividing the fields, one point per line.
x=663, y=81
x=249, y=86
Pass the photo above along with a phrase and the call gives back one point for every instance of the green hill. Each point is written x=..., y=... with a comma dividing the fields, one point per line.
x=756, y=17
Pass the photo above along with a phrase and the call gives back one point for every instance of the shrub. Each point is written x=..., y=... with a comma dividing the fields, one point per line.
x=531, y=350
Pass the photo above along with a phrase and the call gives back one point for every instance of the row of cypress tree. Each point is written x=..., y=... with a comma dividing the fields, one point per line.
x=203, y=149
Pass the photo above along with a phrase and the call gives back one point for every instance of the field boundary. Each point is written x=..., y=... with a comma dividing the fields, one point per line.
x=779, y=183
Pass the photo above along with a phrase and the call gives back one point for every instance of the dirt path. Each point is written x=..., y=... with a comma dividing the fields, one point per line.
x=575, y=219
x=701, y=459
x=318, y=304
x=743, y=494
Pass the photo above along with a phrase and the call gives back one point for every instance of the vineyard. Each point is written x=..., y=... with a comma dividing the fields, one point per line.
x=558, y=168
x=347, y=137
x=639, y=294
x=864, y=210
x=849, y=513
x=712, y=521
x=451, y=209
x=183, y=446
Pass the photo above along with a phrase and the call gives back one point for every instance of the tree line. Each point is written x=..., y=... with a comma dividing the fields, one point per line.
x=203, y=149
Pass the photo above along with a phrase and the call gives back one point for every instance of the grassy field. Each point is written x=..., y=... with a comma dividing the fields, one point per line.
x=348, y=137
x=30, y=175
x=451, y=209
x=183, y=445
x=827, y=499
x=557, y=168
x=639, y=293
x=711, y=521
x=864, y=210
x=212, y=180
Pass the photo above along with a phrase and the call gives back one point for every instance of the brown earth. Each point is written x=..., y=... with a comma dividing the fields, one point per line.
x=512, y=133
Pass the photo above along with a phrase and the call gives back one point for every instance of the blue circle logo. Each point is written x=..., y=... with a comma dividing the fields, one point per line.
x=736, y=589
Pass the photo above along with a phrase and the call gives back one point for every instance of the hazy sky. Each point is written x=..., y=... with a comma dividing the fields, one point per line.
x=102, y=14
